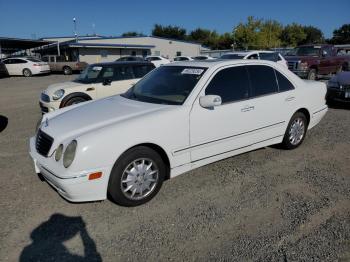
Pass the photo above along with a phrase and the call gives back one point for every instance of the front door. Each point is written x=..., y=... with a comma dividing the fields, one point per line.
x=222, y=129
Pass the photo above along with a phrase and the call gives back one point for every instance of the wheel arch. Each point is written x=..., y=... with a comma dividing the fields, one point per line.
x=75, y=94
x=305, y=112
x=159, y=150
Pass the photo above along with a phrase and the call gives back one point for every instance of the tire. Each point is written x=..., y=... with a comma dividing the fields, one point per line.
x=296, y=131
x=67, y=70
x=27, y=73
x=74, y=100
x=136, y=177
x=312, y=75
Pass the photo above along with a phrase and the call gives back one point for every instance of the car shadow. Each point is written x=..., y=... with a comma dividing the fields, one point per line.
x=3, y=123
x=49, y=237
x=338, y=105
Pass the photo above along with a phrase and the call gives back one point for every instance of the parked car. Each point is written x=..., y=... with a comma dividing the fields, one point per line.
x=183, y=58
x=262, y=55
x=312, y=61
x=3, y=70
x=339, y=88
x=157, y=60
x=202, y=57
x=130, y=58
x=26, y=66
x=177, y=118
x=96, y=81
x=61, y=64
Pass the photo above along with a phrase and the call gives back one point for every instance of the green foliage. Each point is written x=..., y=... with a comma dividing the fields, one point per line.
x=132, y=33
x=292, y=35
x=313, y=36
x=341, y=35
x=173, y=32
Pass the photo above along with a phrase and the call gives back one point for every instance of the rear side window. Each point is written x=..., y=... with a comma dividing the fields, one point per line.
x=283, y=83
x=231, y=84
x=269, y=56
x=141, y=70
x=123, y=73
x=262, y=80
x=7, y=62
x=45, y=59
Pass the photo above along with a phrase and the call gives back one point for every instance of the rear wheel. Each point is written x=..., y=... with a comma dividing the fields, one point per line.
x=74, y=100
x=136, y=177
x=296, y=131
x=26, y=72
x=312, y=75
x=67, y=70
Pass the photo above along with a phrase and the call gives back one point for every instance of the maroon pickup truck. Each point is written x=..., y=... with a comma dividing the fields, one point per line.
x=311, y=61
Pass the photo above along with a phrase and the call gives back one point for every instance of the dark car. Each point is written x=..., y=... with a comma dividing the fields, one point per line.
x=130, y=58
x=339, y=88
x=3, y=70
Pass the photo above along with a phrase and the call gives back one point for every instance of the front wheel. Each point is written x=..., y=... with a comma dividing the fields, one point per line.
x=74, y=100
x=67, y=70
x=312, y=75
x=296, y=131
x=136, y=177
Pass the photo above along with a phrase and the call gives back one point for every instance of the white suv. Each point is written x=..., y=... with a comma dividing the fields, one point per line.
x=26, y=66
x=96, y=81
x=157, y=60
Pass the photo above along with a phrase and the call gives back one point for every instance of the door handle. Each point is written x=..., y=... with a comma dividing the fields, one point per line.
x=247, y=108
x=290, y=98
x=90, y=89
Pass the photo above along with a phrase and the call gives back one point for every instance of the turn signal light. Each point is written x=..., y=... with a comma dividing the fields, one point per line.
x=95, y=175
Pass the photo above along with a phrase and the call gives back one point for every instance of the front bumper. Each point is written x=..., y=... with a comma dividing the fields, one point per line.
x=75, y=187
x=47, y=107
x=334, y=94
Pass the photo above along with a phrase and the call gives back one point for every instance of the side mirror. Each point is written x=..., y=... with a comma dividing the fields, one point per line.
x=210, y=101
x=107, y=82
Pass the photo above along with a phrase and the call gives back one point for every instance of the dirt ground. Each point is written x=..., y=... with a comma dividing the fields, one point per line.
x=266, y=205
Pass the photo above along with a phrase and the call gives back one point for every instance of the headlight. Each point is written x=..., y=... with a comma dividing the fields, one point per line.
x=69, y=154
x=303, y=66
x=333, y=84
x=59, y=152
x=58, y=94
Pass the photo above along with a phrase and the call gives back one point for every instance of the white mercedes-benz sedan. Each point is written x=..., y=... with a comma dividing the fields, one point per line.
x=178, y=117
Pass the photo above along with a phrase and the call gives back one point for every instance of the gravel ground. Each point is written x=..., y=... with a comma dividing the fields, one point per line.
x=266, y=205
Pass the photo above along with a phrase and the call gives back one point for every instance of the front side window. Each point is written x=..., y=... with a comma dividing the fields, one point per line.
x=283, y=83
x=168, y=85
x=7, y=61
x=262, y=80
x=231, y=84
x=269, y=56
x=253, y=56
x=89, y=75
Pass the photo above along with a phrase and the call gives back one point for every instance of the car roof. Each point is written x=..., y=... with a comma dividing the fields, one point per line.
x=215, y=63
x=249, y=52
x=123, y=63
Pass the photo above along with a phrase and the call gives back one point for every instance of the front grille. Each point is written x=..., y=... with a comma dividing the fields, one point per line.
x=43, y=143
x=43, y=108
x=45, y=97
x=292, y=65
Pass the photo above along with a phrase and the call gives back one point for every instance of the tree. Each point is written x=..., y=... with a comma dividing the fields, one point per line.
x=292, y=35
x=341, y=35
x=173, y=32
x=246, y=35
x=269, y=35
x=313, y=36
x=132, y=33
x=205, y=37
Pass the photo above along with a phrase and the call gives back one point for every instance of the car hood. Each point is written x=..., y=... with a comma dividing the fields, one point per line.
x=300, y=58
x=65, y=85
x=93, y=115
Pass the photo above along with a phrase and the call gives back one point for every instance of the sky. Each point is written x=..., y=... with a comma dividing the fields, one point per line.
x=37, y=19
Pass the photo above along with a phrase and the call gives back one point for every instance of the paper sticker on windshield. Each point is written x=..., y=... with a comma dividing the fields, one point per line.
x=192, y=71
x=97, y=68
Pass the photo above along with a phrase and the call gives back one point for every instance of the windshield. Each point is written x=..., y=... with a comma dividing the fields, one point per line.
x=232, y=56
x=168, y=85
x=305, y=51
x=89, y=75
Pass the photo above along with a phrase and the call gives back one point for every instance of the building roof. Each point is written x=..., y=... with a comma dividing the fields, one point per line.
x=11, y=45
x=96, y=45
